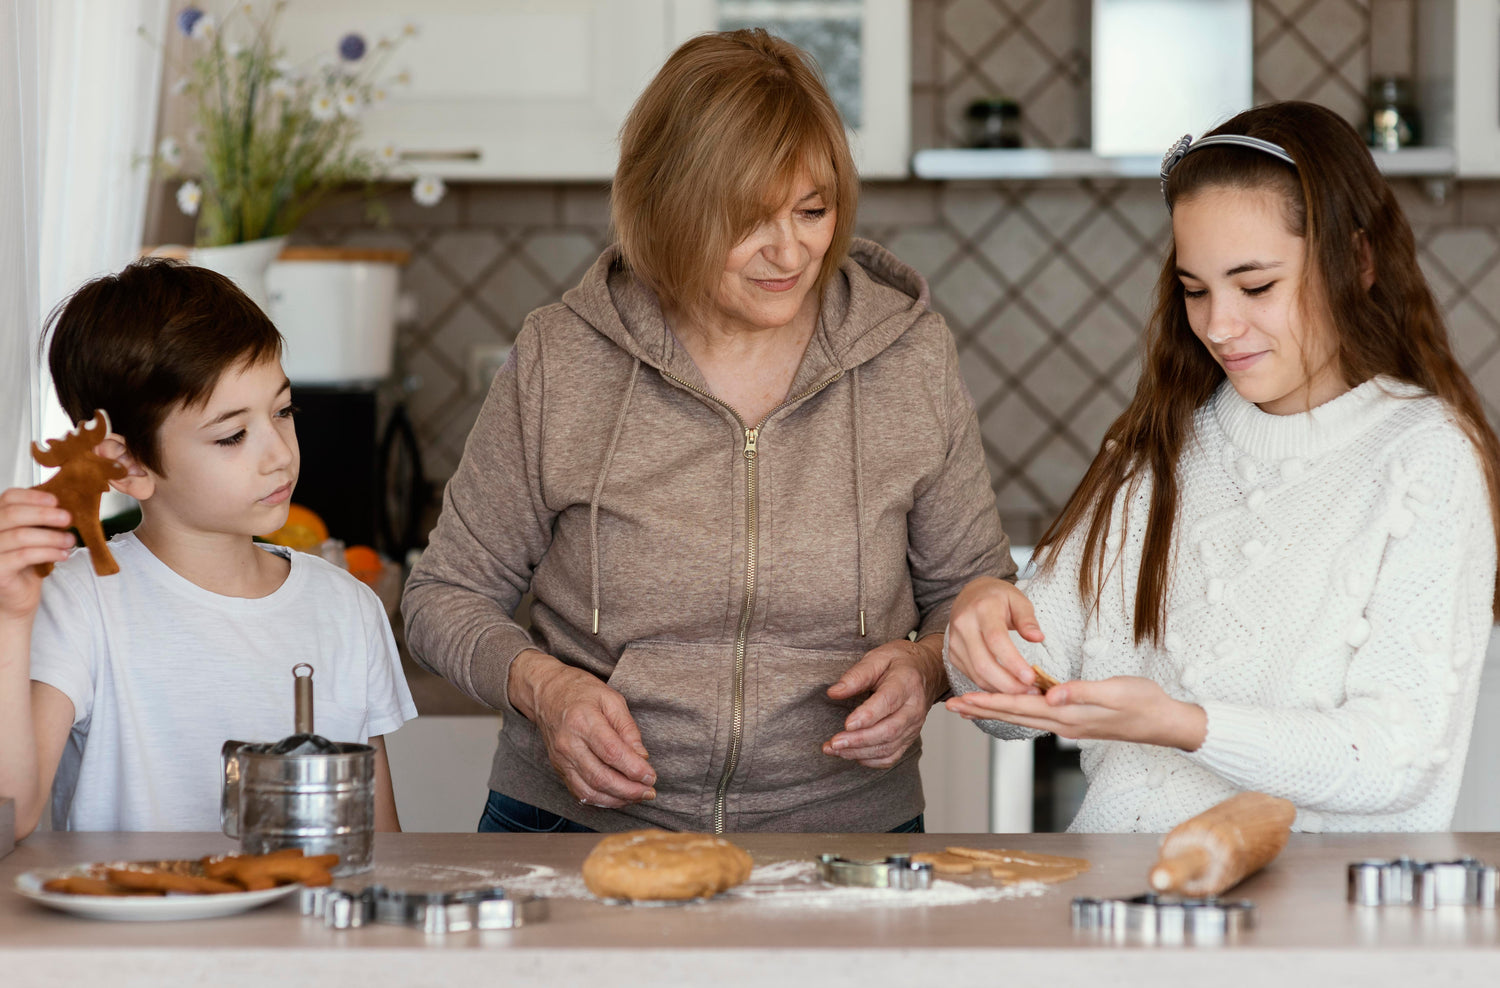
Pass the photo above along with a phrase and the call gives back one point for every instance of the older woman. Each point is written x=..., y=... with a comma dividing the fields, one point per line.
x=733, y=459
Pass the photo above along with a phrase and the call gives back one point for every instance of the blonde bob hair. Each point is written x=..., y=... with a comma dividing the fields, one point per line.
x=710, y=150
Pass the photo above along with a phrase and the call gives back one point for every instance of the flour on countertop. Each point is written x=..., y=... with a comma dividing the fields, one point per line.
x=790, y=885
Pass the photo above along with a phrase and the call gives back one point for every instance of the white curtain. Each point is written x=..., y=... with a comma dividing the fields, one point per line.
x=20, y=198
x=84, y=99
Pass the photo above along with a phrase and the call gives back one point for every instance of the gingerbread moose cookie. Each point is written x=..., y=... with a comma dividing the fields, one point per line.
x=82, y=476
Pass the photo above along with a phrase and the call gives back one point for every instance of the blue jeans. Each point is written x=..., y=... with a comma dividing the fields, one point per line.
x=504, y=815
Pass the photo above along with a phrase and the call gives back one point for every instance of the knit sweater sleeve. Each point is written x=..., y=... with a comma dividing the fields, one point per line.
x=1063, y=617
x=493, y=530
x=1411, y=686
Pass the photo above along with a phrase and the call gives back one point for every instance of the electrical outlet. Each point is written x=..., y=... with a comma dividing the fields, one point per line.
x=485, y=360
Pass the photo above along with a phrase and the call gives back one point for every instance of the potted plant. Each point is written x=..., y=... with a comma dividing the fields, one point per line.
x=270, y=138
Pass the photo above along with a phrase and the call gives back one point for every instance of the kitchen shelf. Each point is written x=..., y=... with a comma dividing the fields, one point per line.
x=954, y=164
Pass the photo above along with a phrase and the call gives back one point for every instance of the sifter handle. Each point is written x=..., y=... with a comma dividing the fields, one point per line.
x=303, y=696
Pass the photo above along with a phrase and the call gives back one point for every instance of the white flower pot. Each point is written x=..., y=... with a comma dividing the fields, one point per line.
x=336, y=309
x=244, y=264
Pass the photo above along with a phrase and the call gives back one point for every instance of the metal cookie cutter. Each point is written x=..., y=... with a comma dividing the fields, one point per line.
x=1407, y=882
x=485, y=908
x=1165, y=919
x=895, y=872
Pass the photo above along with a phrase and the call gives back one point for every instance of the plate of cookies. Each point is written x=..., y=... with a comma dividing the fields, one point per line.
x=178, y=889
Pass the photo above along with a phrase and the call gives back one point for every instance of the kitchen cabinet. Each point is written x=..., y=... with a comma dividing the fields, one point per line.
x=1458, y=72
x=533, y=90
x=1457, y=48
x=525, y=89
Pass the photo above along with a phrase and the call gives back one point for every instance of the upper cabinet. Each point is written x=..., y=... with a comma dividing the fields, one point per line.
x=538, y=89
x=1458, y=60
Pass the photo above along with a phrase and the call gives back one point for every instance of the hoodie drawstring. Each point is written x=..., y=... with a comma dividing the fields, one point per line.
x=859, y=507
x=609, y=458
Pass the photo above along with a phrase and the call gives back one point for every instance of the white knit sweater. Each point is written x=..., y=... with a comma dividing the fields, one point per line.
x=1329, y=608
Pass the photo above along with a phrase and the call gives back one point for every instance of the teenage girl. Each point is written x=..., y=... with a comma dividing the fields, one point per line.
x=1278, y=574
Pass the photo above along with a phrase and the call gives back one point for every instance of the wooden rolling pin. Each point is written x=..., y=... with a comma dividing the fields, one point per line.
x=1215, y=850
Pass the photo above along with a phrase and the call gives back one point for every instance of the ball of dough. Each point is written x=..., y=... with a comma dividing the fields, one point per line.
x=659, y=864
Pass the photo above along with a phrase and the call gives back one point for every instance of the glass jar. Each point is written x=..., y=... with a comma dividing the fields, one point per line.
x=1393, y=115
x=993, y=123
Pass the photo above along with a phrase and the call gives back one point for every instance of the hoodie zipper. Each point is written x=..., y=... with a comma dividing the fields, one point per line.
x=747, y=605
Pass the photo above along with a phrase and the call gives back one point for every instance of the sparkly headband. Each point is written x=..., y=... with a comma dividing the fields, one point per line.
x=1186, y=145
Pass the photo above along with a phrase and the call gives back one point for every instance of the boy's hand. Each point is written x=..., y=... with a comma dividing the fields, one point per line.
x=32, y=530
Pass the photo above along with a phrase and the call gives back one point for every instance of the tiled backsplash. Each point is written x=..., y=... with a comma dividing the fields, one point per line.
x=1043, y=283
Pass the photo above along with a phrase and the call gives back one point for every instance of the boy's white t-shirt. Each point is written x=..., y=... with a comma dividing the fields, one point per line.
x=162, y=672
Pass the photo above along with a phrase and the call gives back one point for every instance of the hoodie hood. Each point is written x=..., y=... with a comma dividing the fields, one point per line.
x=866, y=306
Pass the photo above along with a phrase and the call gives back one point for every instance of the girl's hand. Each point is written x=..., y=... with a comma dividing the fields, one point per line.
x=979, y=627
x=33, y=529
x=1123, y=708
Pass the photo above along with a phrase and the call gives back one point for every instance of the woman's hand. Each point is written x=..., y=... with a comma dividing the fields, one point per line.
x=32, y=530
x=979, y=644
x=907, y=678
x=592, y=740
x=1122, y=708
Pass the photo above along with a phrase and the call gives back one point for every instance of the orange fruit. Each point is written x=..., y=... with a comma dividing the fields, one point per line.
x=363, y=563
x=303, y=530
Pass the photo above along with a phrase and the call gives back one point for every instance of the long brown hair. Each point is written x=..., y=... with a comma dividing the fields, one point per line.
x=711, y=149
x=1335, y=198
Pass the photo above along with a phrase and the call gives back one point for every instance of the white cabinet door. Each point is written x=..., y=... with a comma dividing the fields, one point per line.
x=538, y=89
x=1459, y=81
x=507, y=89
x=1476, y=95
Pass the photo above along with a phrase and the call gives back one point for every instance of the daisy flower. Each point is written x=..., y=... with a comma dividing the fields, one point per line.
x=204, y=27
x=388, y=155
x=428, y=190
x=189, y=195
x=281, y=88
x=170, y=152
x=323, y=107
x=349, y=104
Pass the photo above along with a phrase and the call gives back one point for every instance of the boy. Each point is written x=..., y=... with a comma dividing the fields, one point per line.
x=122, y=689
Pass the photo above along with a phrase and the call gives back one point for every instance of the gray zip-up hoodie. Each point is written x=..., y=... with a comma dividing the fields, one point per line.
x=719, y=574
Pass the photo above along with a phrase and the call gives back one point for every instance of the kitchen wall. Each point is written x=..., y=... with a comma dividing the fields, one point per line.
x=1044, y=283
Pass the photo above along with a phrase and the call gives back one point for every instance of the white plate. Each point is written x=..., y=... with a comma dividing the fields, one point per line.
x=143, y=907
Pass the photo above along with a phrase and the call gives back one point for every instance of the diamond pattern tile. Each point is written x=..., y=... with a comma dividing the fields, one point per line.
x=1031, y=51
x=1313, y=49
x=1045, y=285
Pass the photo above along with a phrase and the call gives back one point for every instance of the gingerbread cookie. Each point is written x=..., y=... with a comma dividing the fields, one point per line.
x=82, y=476
x=658, y=864
x=946, y=862
x=1044, y=681
x=1023, y=866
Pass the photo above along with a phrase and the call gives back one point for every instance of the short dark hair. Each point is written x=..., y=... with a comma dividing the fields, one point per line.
x=155, y=336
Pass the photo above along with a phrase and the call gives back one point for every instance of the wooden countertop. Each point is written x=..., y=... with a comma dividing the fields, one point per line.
x=1306, y=931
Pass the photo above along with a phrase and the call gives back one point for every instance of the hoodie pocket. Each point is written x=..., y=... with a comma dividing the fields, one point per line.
x=680, y=696
x=789, y=717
